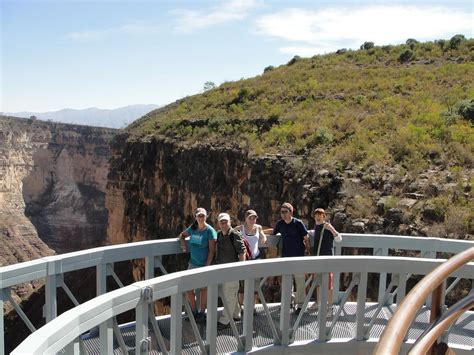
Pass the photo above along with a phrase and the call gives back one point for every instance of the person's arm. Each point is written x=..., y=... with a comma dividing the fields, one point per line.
x=181, y=237
x=212, y=250
x=276, y=229
x=239, y=245
x=337, y=237
x=262, y=237
x=307, y=244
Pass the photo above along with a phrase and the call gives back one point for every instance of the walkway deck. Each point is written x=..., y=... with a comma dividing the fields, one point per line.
x=461, y=334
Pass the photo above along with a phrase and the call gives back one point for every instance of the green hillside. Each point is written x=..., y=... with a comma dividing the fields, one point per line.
x=408, y=104
x=398, y=116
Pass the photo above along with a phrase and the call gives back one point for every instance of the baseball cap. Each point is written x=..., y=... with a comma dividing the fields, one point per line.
x=199, y=211
x=223, y=216
x=250, y=213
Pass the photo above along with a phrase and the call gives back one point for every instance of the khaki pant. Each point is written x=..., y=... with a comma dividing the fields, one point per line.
x=299, y=295
x=229, y=290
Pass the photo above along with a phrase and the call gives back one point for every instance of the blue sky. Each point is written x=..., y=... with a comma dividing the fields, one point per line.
x=111, y=53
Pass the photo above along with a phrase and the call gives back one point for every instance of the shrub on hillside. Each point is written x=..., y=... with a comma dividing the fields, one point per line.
x=294, y=60
x=367, y=45
x=320, y=137
x=411, y=43
x=456, y=41
x=269, y=68
x=465, y=109
x=406, y=56
x=441, y=44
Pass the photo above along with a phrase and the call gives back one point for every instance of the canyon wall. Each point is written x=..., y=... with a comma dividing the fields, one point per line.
x=52, y=200
x=154, y=187
x=55, y=175
x=155, y=184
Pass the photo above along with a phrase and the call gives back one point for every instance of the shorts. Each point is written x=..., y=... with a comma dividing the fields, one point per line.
x=192, y=266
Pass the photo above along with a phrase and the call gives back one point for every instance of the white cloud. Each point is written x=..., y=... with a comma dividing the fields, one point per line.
x=326, y=30
x=235, y=10
x=100, y=34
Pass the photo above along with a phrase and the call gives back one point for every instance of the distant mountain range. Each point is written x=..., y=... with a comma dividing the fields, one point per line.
x=113, y=118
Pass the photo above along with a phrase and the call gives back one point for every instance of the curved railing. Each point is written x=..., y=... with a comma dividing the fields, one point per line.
x=53, y=268
x=394, y=333
x=439, y=327
x=64, y=331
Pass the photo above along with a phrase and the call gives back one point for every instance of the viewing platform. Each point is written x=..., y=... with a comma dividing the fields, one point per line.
x=354, y=326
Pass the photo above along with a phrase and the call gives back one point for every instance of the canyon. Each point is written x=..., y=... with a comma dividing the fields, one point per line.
x=52, y=201
x=352, y=132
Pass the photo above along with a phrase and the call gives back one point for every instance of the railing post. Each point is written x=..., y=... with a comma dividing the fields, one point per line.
x=323, y=306
x=101, y=280
x=176, y=323
x=249, y=301
x=383, y=275
x=337, y=276
x=50, y=297
x=285, y=308
x=105, y=329
x=401, y=288
x=431, y=254
x=73, y=347
x=149, y=267
x=142, y=344
x=211, y=325
x=361, y=297
x=2, y=326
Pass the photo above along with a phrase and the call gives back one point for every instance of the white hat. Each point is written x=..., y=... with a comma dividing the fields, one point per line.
x=223, y=216
x=199, y=211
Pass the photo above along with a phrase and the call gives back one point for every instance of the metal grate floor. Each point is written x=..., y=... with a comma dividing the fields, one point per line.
x=461, y=334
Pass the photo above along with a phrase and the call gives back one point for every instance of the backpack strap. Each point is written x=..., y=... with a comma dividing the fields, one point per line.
x=320, y=239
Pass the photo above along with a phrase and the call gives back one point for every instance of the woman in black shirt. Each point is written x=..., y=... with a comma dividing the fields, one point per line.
x=324, y=236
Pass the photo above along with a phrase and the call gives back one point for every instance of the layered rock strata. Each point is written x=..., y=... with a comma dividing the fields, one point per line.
x=52, y=200
x=55, y=174
x=154, y=187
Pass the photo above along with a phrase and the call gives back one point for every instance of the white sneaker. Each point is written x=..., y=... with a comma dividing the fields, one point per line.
x=314, y=307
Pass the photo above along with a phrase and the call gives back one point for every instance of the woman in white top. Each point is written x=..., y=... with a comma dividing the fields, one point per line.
x=253, y=233
x=256, y=238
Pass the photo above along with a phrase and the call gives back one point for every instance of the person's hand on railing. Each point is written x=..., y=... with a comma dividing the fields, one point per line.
x=184, y=247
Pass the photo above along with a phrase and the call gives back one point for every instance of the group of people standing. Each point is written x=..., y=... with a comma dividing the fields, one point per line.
x=207, y=246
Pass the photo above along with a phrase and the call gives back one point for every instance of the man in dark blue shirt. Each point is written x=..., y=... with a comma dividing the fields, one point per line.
x=295, y=242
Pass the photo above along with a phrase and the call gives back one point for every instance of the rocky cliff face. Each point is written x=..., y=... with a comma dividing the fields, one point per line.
x=55, y=174
x=52, y=200
x=155, y=186
x=52, y=190
x=20, y=241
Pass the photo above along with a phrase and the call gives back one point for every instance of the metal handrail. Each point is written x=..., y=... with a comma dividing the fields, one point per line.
x=428, y=338
x=394, y=333
x=52, y=268
x=68, y=326
x=32, y=270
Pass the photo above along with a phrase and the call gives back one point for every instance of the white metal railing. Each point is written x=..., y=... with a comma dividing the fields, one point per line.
x=64, y=331
x=53, y=268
